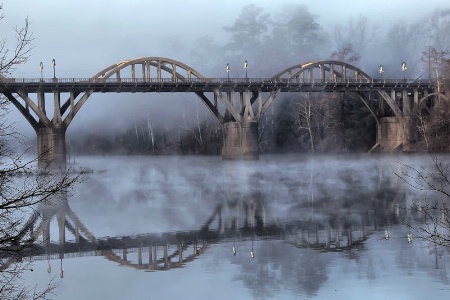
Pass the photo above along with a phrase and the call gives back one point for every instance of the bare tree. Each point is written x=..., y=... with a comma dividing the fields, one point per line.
x=433, y=125
x=305, y=119
x=9, y=59
x=347, y=55
x=354, y=37
x=435, y=226
x=22, y=188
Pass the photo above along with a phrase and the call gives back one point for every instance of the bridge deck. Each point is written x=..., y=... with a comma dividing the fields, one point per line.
x=201, y=85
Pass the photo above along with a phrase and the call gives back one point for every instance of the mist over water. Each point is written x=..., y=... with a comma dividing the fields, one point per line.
x=275, y=209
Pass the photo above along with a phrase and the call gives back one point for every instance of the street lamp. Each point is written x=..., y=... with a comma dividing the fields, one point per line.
x=41, y=66
x=54, y=68
x=381, y=71
x=403, y=69
x=228, y=72
x=246, y=67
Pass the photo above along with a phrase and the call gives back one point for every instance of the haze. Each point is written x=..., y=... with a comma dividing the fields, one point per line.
x=87, y=36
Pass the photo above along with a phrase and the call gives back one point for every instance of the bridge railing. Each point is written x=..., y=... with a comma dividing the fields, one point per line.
x=135, y=80
x=418, y=81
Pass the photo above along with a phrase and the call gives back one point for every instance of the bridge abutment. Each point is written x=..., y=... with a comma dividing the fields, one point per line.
x=51, y=147
x=240, y=141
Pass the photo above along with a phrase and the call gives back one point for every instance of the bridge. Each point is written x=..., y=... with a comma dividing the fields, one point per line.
x=236, y=103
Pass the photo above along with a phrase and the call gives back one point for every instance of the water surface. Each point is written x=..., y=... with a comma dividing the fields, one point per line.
x=283, y=227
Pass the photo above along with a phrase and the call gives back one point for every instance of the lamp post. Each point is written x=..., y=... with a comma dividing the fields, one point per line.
x=41, y=66
x=404, y=69
x=245, y=67
x=54, y=68
x=228, y=72
x=381, y=71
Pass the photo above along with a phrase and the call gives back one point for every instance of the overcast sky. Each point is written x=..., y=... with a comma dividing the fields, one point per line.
x=85, y=36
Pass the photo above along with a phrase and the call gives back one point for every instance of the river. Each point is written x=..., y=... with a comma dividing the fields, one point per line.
x=283, y=227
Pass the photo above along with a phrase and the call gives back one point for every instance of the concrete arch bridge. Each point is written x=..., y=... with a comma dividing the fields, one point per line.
x=237, y=103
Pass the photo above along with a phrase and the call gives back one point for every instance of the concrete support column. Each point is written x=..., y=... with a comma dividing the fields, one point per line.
x=51, y=147
x=240, y=141
x=61, y=218
x=409, y=138
x=46, y=232
x=180, y=253
x=166, y=256
x=155, y=258
x=140, y=256
x=338, y=238
x=391, y=135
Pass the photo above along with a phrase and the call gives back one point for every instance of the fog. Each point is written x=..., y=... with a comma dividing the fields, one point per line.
x=85, y=37
x=125, y=196
x=138, y=195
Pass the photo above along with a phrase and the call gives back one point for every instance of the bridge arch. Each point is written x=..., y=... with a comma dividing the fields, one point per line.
x=323, y=71
x=422, y=100
x=151, y=68
x=332, y=72
x=431, y=95
x=159, y=64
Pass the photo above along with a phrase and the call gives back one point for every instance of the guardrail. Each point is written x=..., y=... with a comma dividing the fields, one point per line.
x=208, y=80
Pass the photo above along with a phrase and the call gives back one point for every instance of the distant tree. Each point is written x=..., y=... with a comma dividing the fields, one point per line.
x=296, y=36
x=346, y=55
x=207, y=56
x=405, y=42
x=437, y=25
x=248, y=30
x=355, y=36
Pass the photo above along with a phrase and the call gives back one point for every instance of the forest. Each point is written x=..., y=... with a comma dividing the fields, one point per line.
x=301, y=122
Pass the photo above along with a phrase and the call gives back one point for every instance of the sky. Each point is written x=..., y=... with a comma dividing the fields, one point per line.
x=86, y=36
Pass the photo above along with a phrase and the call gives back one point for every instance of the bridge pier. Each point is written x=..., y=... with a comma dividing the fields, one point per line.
x=51, y=147
x=391, y=139
x=240, y=141
x=408, y=122
x=398, y=134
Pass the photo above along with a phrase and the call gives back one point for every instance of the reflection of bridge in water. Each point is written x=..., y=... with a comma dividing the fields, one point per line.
x=244, y=221
x=279, y=209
